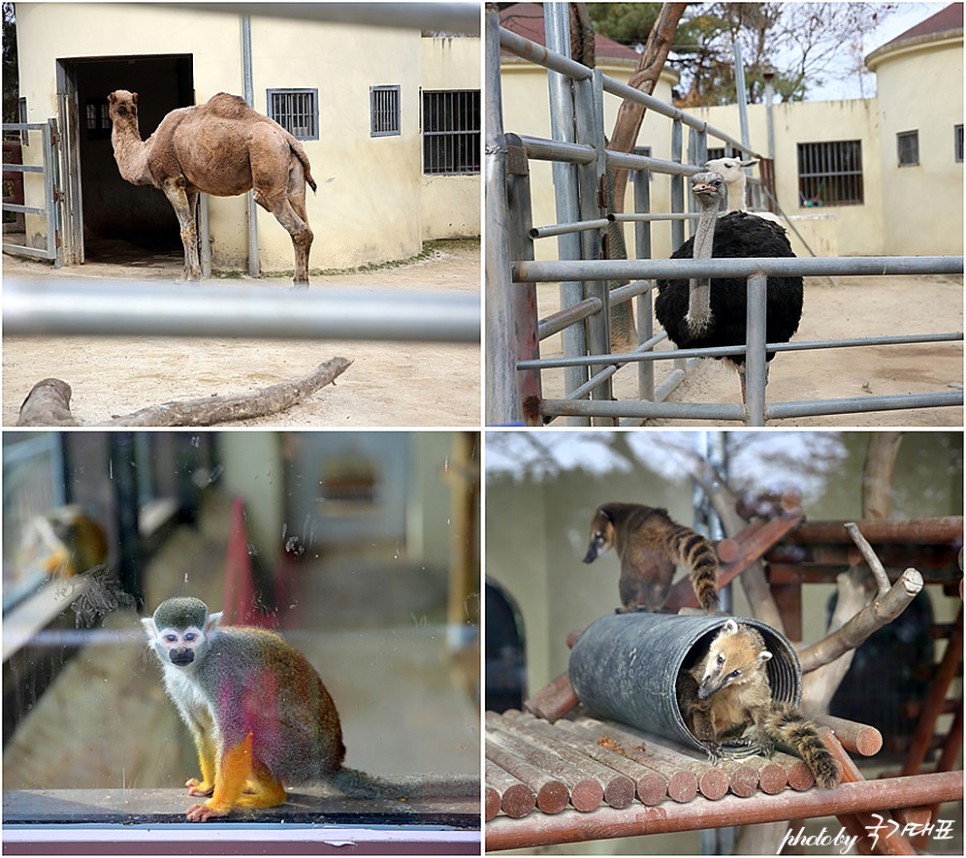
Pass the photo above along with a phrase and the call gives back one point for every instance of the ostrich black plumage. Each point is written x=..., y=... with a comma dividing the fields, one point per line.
x=691, y=316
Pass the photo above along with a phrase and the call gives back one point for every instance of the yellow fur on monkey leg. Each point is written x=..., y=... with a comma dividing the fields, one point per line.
x=232, y=771
x=206, y=762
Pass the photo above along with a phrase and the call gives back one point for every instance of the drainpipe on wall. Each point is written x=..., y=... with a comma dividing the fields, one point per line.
x=249, y=95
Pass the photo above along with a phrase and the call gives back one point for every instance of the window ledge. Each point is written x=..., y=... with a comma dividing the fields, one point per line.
x=150, y=821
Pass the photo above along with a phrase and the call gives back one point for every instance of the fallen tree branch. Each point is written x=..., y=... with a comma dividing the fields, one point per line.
x=48, y=403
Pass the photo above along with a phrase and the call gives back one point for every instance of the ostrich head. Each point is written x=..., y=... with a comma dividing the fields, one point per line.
x=732, y=171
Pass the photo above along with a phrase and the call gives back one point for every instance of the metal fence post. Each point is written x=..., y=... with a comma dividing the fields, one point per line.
x=573, y=337
x=502, y=404
x=642, y=250
x=523, y=295
x=756, y=367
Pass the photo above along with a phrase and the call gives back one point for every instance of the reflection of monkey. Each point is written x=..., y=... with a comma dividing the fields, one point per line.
x=728, y=692
x=649, y=544
x=73, y=542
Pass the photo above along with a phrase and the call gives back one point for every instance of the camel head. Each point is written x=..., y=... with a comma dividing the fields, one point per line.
x=123, y=107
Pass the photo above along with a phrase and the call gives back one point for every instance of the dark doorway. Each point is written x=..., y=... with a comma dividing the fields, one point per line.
x=122, y=222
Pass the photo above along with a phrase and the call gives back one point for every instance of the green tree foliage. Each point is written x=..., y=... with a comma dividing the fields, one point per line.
x=802, y=44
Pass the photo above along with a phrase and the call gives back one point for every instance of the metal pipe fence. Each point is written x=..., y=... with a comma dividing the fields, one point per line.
x=516, y=395
x=106, y=308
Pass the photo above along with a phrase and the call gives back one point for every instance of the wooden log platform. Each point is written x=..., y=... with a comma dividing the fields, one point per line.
x=581, y=762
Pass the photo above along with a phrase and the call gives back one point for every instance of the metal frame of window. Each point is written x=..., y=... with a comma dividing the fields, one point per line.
x=451, y=131
x=296, y=110
x=958, y=143
x=830, y=173
x=907, y=148
x=385, y=114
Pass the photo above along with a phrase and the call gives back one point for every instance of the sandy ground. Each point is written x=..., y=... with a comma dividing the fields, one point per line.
x=852, y=307
x=388, y=384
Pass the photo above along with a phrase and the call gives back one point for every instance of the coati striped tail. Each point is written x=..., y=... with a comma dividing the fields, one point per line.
x=694, y=551
x=788, y=726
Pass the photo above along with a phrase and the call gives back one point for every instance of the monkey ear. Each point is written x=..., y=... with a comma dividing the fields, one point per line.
x=214, y=622
x=150, y=628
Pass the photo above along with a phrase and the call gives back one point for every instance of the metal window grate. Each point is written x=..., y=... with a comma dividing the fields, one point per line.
x=296, y=110
x=384, y=111
x=907, y=146
x=451, y=131
x=830, y=173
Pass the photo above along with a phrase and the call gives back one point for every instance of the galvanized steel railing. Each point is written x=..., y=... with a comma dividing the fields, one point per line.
x=580, y=157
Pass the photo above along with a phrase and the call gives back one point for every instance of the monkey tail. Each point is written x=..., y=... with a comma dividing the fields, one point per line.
x=694, y=551
x=356, y=783
x=790, y=727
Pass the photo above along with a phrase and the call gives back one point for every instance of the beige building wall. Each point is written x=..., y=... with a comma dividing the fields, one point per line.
x=920, y=88
x=450, y=205
x=857, y=228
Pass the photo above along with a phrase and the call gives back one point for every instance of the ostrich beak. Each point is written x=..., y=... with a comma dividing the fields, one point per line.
x=703, y=189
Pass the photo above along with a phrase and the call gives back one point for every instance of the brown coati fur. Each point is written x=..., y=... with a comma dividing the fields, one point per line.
x=649, y=545
x=727, y=696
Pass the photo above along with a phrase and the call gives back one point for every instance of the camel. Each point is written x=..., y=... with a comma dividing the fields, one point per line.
x=223, y=148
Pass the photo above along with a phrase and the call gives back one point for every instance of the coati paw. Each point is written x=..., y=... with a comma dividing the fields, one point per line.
x=196, y=787
x=204, y=812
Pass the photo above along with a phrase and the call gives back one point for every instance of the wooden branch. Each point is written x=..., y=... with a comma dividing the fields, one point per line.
x=878, y=570
x=48, y=404
x=873, y=616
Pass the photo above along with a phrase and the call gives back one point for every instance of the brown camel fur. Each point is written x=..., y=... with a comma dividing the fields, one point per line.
x=223, y=148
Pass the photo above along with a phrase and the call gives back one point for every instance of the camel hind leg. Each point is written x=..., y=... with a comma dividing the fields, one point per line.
x=287, y=204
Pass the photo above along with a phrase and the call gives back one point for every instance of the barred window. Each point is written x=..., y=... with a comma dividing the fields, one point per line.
x=907, y=145
x=296, y=110
x=958, y=143
x=451, y=131
x=830, y=174
x=384, y=111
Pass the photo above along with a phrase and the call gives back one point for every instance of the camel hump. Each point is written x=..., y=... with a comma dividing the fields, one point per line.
x=228, y=106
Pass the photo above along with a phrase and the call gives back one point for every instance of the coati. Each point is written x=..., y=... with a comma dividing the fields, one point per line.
x=649, y=544
x=727, y=692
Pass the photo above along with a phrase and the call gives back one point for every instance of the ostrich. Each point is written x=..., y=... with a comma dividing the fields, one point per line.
x=731, y=170
x=707, y=313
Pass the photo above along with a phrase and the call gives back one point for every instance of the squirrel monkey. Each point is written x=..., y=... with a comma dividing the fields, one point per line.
x=649, y=544
x=257, y=710
x=728, y=691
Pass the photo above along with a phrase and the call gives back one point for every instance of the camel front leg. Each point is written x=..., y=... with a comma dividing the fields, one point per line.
x=185, y=205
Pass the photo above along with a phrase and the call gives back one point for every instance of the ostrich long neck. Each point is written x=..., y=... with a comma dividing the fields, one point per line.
x=130, y=152
x=699, y=288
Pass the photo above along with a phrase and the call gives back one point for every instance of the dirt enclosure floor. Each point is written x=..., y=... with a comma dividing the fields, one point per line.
x=851, y=307
x=398, y=384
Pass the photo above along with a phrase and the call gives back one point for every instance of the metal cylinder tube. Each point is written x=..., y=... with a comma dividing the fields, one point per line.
x=625, y=666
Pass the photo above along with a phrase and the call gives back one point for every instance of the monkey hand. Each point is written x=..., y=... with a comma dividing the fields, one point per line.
x=204, y=812
x=196, y=787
